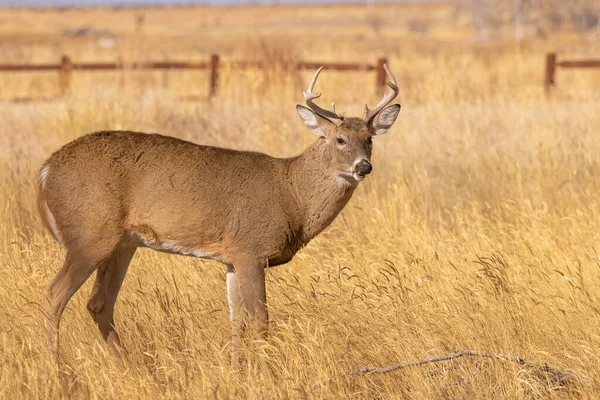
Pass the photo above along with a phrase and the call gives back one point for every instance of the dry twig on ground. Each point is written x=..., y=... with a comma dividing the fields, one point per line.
x=557, y=377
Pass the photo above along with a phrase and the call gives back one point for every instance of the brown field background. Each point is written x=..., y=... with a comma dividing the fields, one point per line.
x=478, y=228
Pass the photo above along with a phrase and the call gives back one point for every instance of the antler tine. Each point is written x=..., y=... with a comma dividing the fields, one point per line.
x=309, y=96
x=387, y=97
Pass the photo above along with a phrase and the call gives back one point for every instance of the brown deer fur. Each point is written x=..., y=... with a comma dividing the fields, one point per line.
x=107, y=193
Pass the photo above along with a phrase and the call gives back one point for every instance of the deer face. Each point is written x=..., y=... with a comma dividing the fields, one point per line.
x=349, y=140
x=351, y=144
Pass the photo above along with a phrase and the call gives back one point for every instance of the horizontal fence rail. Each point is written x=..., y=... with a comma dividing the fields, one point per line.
x=552, y=65
x=66, y=67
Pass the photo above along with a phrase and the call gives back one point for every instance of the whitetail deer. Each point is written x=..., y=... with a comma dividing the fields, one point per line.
x=107, y=193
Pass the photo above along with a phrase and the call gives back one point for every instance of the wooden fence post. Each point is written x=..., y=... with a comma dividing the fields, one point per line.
x=64, y=77
x=381, y=75
x=214, y=75
x=550, y=71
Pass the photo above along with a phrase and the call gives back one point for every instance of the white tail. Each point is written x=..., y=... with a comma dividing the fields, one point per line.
x=108, y=193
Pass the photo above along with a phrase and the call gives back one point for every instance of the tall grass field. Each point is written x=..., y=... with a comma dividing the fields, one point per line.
x=479, y=228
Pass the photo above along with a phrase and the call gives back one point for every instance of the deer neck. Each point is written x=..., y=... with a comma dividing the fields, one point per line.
x=319, y=194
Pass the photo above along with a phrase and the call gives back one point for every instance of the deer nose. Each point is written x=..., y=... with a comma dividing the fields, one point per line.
x=364, y=167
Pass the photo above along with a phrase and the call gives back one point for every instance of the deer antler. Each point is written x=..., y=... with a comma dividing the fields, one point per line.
x=387, y=97
x=309, y=96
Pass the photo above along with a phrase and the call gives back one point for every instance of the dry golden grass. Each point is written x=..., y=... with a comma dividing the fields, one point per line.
x=477, y=230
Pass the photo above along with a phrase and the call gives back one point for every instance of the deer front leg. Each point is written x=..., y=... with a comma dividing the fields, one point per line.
x=247, y=299
x=237, y=315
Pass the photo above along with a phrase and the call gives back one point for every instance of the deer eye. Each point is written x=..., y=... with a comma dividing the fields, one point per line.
x=370, y=140
x=340, y=141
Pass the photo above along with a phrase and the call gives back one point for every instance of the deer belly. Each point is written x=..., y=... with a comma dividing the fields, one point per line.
x=147, y=237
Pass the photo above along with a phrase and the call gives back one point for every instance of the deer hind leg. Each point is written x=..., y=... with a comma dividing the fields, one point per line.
x=77, y=268
x=101, y=305
x=247, y=299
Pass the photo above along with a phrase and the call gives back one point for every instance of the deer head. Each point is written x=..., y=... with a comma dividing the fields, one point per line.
x=349, y=139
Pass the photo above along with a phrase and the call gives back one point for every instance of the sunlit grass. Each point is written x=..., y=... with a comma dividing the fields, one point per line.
x=478, y=229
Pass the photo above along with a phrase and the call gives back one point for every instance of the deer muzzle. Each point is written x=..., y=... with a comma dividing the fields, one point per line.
x=363, y=168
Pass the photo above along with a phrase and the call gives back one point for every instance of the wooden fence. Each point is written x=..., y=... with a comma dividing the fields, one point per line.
x=552, y=64
x=66, y=67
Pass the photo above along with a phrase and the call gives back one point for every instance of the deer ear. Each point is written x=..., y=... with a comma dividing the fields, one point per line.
x=318, y=125
x=385, y=119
